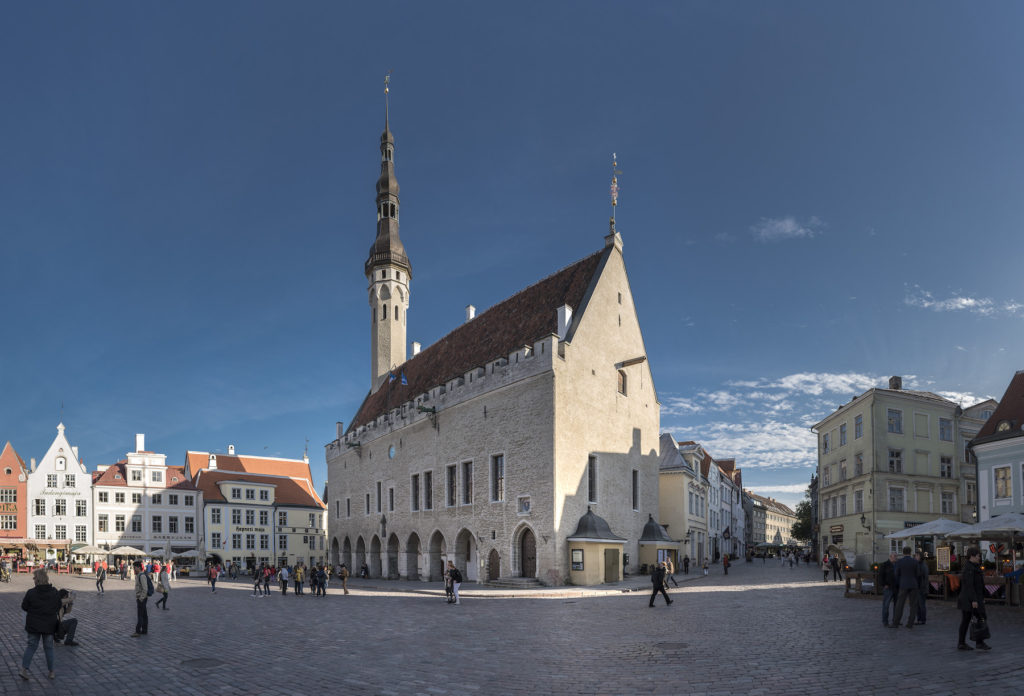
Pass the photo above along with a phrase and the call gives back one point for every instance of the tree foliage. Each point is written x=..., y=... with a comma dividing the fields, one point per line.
x=803, y=527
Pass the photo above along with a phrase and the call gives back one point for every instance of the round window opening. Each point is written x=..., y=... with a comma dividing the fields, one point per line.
x=391, y=452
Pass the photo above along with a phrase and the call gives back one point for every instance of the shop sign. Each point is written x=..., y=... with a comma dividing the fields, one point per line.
x=836, y=529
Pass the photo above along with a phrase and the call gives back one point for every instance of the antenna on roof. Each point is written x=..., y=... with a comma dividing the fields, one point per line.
x=614, y=189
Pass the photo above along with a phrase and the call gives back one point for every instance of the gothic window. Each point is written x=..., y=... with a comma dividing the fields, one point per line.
x=622, y=382
x=384, y=312
x=396, y=312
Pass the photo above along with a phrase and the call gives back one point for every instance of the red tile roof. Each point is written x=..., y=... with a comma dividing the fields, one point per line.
x=115, y=475
x=1010, y=409
x=520, y=320
x=288, y=491
x=271, y=466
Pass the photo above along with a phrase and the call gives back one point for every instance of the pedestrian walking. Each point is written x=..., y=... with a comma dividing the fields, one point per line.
x=214, y=574
x=922, y=588
x=143, y=591
x=454, y=577
x=267, y=572
x=887, y=579
x=299, y=577
x=725, y=563
x=705, y=566
x=282, y=576
x=101, y=576
x=41, y=605
x=257, y=582
x=825, y=566
x=164, y=585
x=658, y=583
x=908, y=573
x=971, y=601
x=671, y=567
x=449, y=595
x=836, y=568
x=686, y=565
x=343, y=574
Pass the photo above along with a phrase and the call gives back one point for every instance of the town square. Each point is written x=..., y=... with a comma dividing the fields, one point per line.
x=763, y=629
x=685, y=358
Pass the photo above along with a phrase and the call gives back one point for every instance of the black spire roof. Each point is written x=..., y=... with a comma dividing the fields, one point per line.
x=591, y=526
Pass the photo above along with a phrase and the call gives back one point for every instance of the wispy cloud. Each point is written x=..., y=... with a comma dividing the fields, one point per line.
x=963, y=302
x=778, y=229
x=965, y=399
x=779, y=488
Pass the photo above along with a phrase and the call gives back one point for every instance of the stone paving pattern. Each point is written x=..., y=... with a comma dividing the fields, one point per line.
x=763, y=629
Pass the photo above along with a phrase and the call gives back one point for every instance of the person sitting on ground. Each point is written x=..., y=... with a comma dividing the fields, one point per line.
x=66, y=630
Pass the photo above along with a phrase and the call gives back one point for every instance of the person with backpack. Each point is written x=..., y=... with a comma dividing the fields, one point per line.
x=267, y=572
x=101, y=575
x=456, y=579
x=143, y=591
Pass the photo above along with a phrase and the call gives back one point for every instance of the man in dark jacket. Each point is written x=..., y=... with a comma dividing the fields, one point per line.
x=887, y=579
x=971, y=600
x=922, y=587
x=908, y=579
x=658, y=581
x=41, y=604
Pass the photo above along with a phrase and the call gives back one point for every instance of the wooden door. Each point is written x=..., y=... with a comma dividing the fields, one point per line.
x=611, y=565
x=493, y=565
x=528, y=554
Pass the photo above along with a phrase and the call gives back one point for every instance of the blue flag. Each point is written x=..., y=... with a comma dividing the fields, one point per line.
x=405, y=382
x=391, y=377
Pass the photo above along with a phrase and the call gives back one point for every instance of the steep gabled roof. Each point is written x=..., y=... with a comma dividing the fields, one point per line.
x=521, y=320
x=1010, y=409
x=10, y=457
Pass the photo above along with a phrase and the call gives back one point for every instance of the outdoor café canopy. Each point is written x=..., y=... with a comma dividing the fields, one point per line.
x=88, y=550
x=127, y=551
x=1007, y=527
x=939, y=527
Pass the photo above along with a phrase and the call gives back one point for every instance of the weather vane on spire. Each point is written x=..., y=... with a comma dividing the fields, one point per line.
x=615, y=185
x=387, y=90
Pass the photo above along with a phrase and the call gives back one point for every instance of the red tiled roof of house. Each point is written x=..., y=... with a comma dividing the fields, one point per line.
x=271, y=466
x=115, y=475
x=287, y=490
x=520, y=320
x=726, y=465
x=1010, y=409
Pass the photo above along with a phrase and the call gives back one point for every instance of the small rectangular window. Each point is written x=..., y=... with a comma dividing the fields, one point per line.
x=858, y=427
x=842, y=434
x=380, y=502
x=414, y=492
x=895, y=461
x=428, y=490
x=391, y=499
x=592, y=479
x=946, y=429
x=636, y=489
x=451, y=496
x=895, y=420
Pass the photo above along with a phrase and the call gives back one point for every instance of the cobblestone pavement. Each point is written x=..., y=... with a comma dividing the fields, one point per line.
x=763, y=629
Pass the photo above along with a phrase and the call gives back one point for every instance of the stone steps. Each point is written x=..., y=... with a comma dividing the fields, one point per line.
x=514, y=583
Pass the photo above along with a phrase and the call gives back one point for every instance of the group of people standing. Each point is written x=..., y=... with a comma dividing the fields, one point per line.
x=905, y=581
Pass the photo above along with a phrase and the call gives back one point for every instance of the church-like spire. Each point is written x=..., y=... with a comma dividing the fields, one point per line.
x=387, y=248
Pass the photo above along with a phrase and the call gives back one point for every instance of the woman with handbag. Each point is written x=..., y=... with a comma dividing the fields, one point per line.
x=971, y=602
x=41, y=605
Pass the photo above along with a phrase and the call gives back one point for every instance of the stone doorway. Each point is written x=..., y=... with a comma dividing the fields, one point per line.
x=528, y=554
x=493, y=565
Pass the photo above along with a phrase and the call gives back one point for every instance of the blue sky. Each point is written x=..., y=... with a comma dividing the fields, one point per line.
x=814, y=197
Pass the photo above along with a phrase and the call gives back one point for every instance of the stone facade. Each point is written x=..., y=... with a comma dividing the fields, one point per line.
x=494, y=467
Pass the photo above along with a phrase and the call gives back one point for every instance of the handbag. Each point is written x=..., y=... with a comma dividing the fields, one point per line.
x=979, y=628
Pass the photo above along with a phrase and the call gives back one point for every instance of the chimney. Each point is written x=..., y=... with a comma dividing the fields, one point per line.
x=341, y=428
x=470, y=313
x=213, y=462
x=231, y=450
x=896, y=383
x=416, y=347
x=140, y=442
x=32, y=463
x=564, y=318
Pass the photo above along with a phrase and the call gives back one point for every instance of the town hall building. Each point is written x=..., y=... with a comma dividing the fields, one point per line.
x=524, y=443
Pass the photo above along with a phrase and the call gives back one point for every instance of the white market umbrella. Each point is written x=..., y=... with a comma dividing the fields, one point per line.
x=89, y=551
x=127, y=551
x=187, y=554
x=1006, y=527
x=940, y=527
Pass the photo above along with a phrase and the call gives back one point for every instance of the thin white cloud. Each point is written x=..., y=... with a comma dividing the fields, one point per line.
x=965, y=399
x=678, y=406
x=961, y=302
x=778, y=488
x=778, y=229
x=817, y=383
